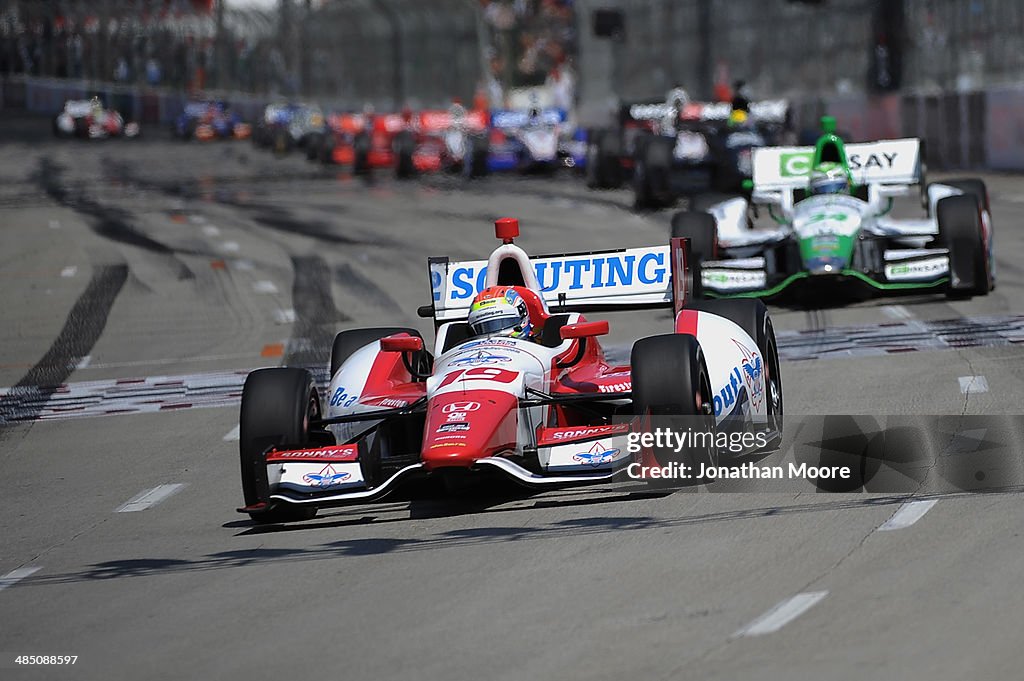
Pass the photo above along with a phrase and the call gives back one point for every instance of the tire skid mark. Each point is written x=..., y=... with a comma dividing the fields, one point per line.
x=316, y=316
x=350, y=278
x=106, y=221
x=82, y=329
x=268, y=215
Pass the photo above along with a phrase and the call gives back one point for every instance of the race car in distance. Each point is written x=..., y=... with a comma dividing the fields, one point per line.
x=529, y=140
x=88, y=119
x=363, y=141
x=546, y=410
x=207, y=120
x=682, y=148
x=286, y=126
x=831, y=205
x=451, y=141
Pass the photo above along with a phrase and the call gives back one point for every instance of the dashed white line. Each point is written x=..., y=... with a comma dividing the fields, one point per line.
x=84, y=362
x=196, y=219
x=211, y=230
x=782, y=614
x=231, y=246
x=69, y=271
x=15, y=576
x=242, y=265
x=284, y=316
x=897, y=312
x=150, y=498
x=970, y=385
x=233, y=434
x=54, y=224
x=264, y=286
x=907, y=514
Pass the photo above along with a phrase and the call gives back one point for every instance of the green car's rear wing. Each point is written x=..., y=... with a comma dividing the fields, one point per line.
x=886, y=162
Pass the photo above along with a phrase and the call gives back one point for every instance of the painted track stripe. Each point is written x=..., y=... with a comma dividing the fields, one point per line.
x=15, y=576
x=782, y=614
x=970, y=385
x=897, y=312
x=150, y=498
x=907, y=514
x=233, y=434
x=264, y=286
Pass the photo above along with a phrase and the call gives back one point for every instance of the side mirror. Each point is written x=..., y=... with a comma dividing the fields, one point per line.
x=584, y=330
x=401, y=344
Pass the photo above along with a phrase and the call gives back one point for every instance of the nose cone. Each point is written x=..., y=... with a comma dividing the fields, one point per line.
x=465, y=426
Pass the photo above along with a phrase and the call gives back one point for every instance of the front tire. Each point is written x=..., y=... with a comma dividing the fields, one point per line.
x=670, y=379
x=278, y=405
x=961, y=231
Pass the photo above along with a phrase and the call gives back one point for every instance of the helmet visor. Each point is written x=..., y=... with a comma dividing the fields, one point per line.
x=495, y=324
x=829, y=186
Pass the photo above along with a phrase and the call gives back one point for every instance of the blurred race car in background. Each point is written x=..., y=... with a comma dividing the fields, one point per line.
x=88, y=119
x=682, y=148
x=207, y=120
x=545, y=411
x=363, y=141
x=530, y=140
x=450, y=141
x=831, y=205
x=287, y=126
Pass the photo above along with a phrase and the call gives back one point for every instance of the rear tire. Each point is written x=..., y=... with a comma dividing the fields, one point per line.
x=670, y=379
x=651, y=172
x=404, y=147
x=361, y=151
x=277, y=407
x=702, y=231
x=752, y=316
x=960, y=230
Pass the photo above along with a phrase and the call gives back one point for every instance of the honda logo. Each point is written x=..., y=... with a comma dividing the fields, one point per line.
x=460, y=406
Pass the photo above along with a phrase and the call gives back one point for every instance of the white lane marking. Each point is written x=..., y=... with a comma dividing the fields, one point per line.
x=69, y=271
x=211, y=230
x=54, y=224
x=196, y=219
x=907, y=514
x=782, y=614
x=897, y=312
x=242, y=265
x=15, y=576
x=264, y=286
x=84, y=362
x=969, y=385
x=284, y=316
x=233, y=434
x=150, y=498
x=231, y=246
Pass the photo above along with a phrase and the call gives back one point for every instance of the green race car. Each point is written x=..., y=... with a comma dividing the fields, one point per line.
x=831, y=206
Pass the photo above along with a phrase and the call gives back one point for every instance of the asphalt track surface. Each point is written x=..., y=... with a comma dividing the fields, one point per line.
x=155, y=274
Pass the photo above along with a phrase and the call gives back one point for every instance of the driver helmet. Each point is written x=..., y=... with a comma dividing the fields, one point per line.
x=828, y=178
x=500, y=311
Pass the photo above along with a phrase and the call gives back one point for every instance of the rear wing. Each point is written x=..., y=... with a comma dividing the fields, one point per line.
x=510, y=120
x=764, y=111
x=629, y=278
x=883, y=162
x=439, y=121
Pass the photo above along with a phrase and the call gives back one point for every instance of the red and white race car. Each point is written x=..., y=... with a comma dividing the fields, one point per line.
x=89, y=120
x=546, y=411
